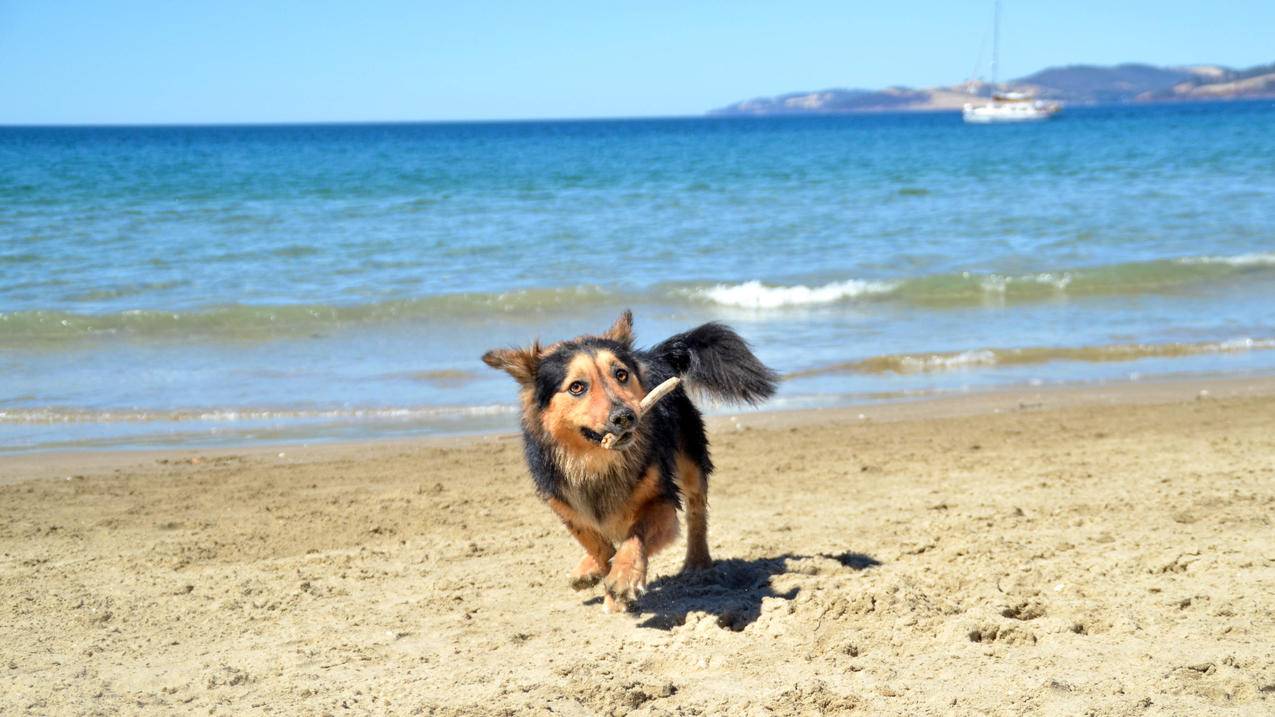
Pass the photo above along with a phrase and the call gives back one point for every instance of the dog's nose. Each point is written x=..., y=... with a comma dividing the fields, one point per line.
x=622, y=417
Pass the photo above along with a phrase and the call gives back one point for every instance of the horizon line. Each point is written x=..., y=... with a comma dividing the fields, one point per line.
x=617, y=118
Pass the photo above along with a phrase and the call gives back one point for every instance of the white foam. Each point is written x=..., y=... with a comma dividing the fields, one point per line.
x=1058, y=281
x=945, y=362
x=756, y=295
x=1258, y=259
x=998, y=283
x=53, y=415
x=994, y=283
x=1246, y=344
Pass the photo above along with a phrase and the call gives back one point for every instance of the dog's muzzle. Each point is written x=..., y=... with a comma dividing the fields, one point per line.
x=621, y=420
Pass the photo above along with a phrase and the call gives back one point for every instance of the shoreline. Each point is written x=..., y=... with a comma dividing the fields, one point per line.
x=59, y=463
x=1091, y=550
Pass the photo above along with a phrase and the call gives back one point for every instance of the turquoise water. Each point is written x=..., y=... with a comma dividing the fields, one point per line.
x=195, y=285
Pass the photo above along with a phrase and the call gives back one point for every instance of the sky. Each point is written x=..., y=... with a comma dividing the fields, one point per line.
x=159, y=61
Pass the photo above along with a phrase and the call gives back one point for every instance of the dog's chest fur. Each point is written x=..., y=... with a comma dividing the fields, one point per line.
x=600, y=498
x=601, y=493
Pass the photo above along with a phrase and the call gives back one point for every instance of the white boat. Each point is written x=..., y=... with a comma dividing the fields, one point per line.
x=1006, y=106
x=1010, y=107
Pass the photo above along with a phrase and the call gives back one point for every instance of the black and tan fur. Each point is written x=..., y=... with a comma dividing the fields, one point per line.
x=621, y=503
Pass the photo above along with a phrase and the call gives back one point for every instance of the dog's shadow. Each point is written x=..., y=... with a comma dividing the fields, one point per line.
x=732, y=590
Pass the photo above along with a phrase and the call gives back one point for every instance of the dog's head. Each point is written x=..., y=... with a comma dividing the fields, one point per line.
x=577, y=391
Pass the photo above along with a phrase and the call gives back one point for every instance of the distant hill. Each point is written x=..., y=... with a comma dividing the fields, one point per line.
x=1091, y=84
x=1073, y=84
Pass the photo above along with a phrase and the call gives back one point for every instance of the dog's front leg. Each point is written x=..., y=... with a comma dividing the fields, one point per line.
x=597, y=553
x=654, y=528
x=597, y=549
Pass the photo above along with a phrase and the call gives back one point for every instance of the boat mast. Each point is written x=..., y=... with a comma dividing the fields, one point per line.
x=996, y=41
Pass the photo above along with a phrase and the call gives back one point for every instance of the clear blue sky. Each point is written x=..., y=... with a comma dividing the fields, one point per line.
x=144, y=61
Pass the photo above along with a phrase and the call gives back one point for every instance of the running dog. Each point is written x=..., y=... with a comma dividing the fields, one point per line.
x=576, y=392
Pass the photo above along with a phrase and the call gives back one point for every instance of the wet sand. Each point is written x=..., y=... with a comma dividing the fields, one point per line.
x=1104, y=550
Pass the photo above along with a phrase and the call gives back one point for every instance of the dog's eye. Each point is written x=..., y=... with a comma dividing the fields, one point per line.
x=621, y=375
x=577, y=388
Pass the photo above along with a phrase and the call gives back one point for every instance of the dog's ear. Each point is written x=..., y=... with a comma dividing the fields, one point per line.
x=519, y=363
x=622, y=330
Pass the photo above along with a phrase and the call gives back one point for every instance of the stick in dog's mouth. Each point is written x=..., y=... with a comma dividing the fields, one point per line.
x=609, y=440
x=591, y=434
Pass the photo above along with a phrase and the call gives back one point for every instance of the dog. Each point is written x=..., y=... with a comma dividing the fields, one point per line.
x=621, y=502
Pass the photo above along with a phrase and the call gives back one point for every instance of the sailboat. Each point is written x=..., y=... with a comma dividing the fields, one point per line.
x=1006, y=106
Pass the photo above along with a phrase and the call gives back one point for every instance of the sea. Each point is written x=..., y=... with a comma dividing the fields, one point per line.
x=194, y=286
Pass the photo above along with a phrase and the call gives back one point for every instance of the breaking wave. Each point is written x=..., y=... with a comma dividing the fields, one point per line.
x=250, y=321
x=756, y=295
x=959, y=360
x=243, y=321
x=966, y=288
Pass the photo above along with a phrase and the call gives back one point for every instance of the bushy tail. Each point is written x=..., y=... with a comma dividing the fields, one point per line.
x=717, y=361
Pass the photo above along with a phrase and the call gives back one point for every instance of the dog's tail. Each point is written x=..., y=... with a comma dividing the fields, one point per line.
x=717, y=361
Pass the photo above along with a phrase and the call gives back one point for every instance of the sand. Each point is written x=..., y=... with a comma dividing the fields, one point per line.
x=1100, y=551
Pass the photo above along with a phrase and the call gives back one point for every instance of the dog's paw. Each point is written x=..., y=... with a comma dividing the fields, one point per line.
x=584, y=582
x=697, y=563
x=619, y=597
x=627, y=580
x=611, y=606
x=587, y=574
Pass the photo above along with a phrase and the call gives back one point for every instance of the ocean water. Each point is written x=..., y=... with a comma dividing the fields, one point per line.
x=206, y=285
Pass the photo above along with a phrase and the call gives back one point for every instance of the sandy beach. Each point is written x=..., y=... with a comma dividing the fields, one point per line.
x=1105, y=551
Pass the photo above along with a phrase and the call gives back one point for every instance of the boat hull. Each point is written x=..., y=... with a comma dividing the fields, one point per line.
x=1001, y=113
